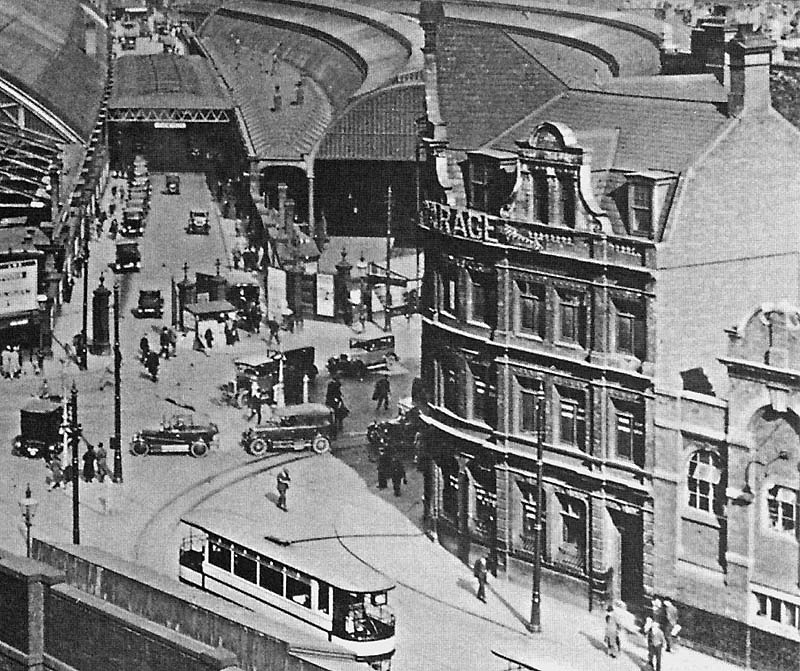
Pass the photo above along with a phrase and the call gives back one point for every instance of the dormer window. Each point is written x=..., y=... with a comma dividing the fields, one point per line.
x=491, y=175
x=641, y=209
x=647, y=198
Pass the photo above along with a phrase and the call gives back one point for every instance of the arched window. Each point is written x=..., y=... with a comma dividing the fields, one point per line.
x=703, y=482
x=782, y=508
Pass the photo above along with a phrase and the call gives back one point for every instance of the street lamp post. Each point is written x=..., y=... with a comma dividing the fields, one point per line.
x=83, y=354
x=387, y=322
x=116, y=441
x=535, y=624
x=75, y=435
x=28, y=507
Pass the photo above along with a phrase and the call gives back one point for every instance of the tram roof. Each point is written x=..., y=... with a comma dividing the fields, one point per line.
x=318, y=553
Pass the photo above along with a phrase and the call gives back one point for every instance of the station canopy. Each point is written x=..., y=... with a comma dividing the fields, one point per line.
x=167, y=88
x=26, y=159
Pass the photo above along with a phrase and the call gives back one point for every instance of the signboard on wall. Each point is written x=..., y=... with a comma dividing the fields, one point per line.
x=325, y=306
x=18, y=286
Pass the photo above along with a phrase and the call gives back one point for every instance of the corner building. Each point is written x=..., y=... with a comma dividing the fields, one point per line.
x=625, y=258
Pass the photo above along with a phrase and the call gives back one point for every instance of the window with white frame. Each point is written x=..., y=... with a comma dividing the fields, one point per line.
x=703, y=482
x=641, y=208
x=572, y=417
x=531, y=308
x=782, y=509
x=777, y=610
x=629, y=432
x=571, y=323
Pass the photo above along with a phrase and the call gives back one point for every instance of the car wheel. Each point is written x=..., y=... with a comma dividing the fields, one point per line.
x=16, y=446
x=259, y=447
x=140, y=447
x=320, y=444
x=241, y=398
x=199, y=448
x=373, y=434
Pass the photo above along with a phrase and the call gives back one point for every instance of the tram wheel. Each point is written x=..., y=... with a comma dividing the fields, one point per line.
x=199, y=448
x=258, y=447
x=320, y=444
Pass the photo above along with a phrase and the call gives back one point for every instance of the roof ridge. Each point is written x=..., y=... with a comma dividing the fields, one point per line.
x=628, y=94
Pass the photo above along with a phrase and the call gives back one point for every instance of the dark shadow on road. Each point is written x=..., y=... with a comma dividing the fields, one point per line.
x=519, y=616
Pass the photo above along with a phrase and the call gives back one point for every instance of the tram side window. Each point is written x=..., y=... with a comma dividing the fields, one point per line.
x=271, y=579
x=298, y=589
x=244, y=567
x=323, y=598
x=219, y=555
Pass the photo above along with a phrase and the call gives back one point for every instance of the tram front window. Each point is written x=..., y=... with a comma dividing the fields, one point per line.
x=365, y=616
x=192, y=552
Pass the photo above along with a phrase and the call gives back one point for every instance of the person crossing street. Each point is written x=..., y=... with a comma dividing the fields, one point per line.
x=283, y=487
x=381, y=393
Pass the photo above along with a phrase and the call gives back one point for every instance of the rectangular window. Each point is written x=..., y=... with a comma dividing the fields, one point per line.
x=449, y=278
x=573, y=523
x=572, y=419
x=541, y=198
x=570, y=312
x=630, y=435
x=450, y=388
x=219, y=555
x=567, y=188
x=298, y=589
x=482, y=301
x=479, y=178
x=323, y=598
x=244, y=567
x=480, y=394
x=532, y=309
x=528, y=417
x=631, y=334
x=642, y=209
x=270, y=577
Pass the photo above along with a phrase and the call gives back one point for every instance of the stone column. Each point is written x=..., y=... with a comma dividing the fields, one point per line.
x=100, y=335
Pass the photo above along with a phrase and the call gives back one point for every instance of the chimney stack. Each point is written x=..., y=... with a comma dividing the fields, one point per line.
x=431, y=13
x=750, y=58
x=709, y=43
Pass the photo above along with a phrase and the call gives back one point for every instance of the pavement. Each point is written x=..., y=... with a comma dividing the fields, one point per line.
x=441, y=624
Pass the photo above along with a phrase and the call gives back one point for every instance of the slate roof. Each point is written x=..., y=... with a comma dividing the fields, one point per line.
x=41, y=51
x=166, y=81
x=377, y=127
x=654, y=133
x=487, y=82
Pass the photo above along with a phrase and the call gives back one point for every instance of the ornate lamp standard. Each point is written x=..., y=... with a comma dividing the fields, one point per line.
x=28, y=507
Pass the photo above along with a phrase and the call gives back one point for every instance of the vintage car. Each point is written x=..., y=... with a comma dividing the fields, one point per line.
x=132, y=222
x=198, y=222
x=177, y=435
x=40, y=424
x=128, y=42
x=397, y=433
x=173, y=184
x=151, y=304
x=365, y=354
x=293, y=427
x=128, y=259
x=262, y=371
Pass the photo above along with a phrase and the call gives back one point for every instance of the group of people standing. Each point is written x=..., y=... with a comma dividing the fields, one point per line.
x=150, y=358
x=11, y=362
x=95, y=466
x=335, y=401
x=660, y=627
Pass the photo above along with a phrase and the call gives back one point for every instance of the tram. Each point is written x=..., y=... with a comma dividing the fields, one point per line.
x=315, y=580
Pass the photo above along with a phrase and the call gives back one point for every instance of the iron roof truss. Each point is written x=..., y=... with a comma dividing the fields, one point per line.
x=180, y=115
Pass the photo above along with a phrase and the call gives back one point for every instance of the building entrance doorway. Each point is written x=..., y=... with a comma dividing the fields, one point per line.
x=629, y=551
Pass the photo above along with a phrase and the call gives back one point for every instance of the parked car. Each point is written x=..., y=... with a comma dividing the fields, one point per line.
x=132, y=222
x=198, y=222
x=128, y=259
x=262, y=371
x=177, y=435
x=365, y=354
x=151, y=304
x=173, y=184
x=40, y=425
x=293, y=427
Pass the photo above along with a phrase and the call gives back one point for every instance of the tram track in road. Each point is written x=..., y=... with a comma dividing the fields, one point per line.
x=148, y=548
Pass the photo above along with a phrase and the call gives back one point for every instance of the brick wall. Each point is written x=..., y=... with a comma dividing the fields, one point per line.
x=773, y=653
x=714, y=634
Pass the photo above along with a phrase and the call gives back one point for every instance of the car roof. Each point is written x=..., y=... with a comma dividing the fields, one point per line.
x=200, y=212
x=255, y=360
x=301, y=409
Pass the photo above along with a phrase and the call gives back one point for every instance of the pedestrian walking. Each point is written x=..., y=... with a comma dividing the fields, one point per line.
x=5, y=359
x=163, y=340
x=655, y=644
x=283, y=487
x=16, y=362
x=144, y=348
x=209, y=336
x=398, y=475
x=480, y=571
x=274, y=331
x=384, y=466
x=340, y=413
x=612, y=632
x=100, y=457
x=256, y=401
x=152, y=365
x=333, y=394
x=381, y=393
x=113, y=228
x=38, y=362
x=671, y=626
x=173, y=341
x=88, y=463
x=299, y=323
x=55, y=478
